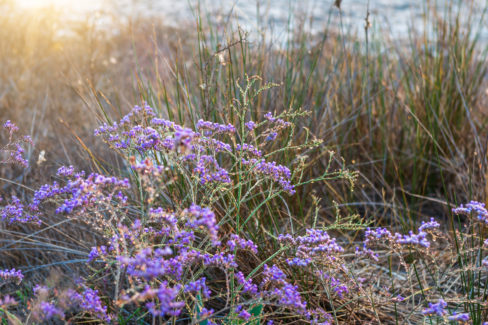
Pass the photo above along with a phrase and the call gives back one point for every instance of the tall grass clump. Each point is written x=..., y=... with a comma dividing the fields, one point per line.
x=406, y=113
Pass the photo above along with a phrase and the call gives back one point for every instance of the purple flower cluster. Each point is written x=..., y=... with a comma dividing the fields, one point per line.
x=247, y=285
x=319, y=248
x=203, y=217
x=237, y=242
x=11, y=127
x=168, y=300
x=208, y=170
x=250, y=149
x=51, y=303
x=210, y=127
x=14, y=149
x=316, y=244
x=412, y=239
x=12, y=274
x=46, y=311
x=250, y=125
x=82, y=192
x=462, y=318
x=79, y=192
x=278, y=173
x=90, y=302
x=17, y=212
x=436, y=309
x=65, y=171
x=198, y=286
x=7, y=301
x=475, y=207
x=242, y=313
x=287, y=295
x=276, y=120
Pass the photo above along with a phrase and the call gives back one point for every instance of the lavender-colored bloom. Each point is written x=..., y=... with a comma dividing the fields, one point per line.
x=162, y=122
x=17, y=157
x=7, y=301
x=364, y=251
x=414, y=239
x=272, y=136
x=247, y=285
x=242, y=313
x=48, y=311
x=278, y=121
x=241, y=243
x=436, y=309
x=168, y=306
x=475, y=207
x=269, y=117
x=198, y=286
x=11, y=127
x=211, y=127
x=203, y=217
x=183, y=137
x=286, y=294
x=462, y=318
x=17, y=212
x=419, y=239
x=12, y=274
x=249, y=149
x=93, y=254
x=208, y=170
x=90, y=302
x=214, y=144
x=278, y=173
x=299, y=261
x=399, y=298
x=432, y=224
x=65, y=171
x=250, y=125
x=97, y=252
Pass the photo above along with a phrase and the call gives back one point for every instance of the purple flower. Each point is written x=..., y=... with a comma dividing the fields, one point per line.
x=198, y=286
x=462, y=318
x=271, y=136
x=211, y=127
x=240, y=243
x=250, y=125
x=7, y=301
x=90, y=302
x=269, y=117
x=242, y=313
x=247, y=285
x=436, y=309
x=473, y=207
x=249, y=149
x=278, y=173
x=11, y=127
x=65, y=171
x=48, y=311
x=432, y=224
x=17, y=212
x=208, y=170
x=203, y=217
x=414, y=239
x=183, y=138
x=167, y=296
x=12, y=274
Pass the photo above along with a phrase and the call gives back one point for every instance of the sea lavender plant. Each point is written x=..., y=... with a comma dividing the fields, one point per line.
x=13, y=151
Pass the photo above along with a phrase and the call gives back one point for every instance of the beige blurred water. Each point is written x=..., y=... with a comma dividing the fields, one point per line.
x=396, y=16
